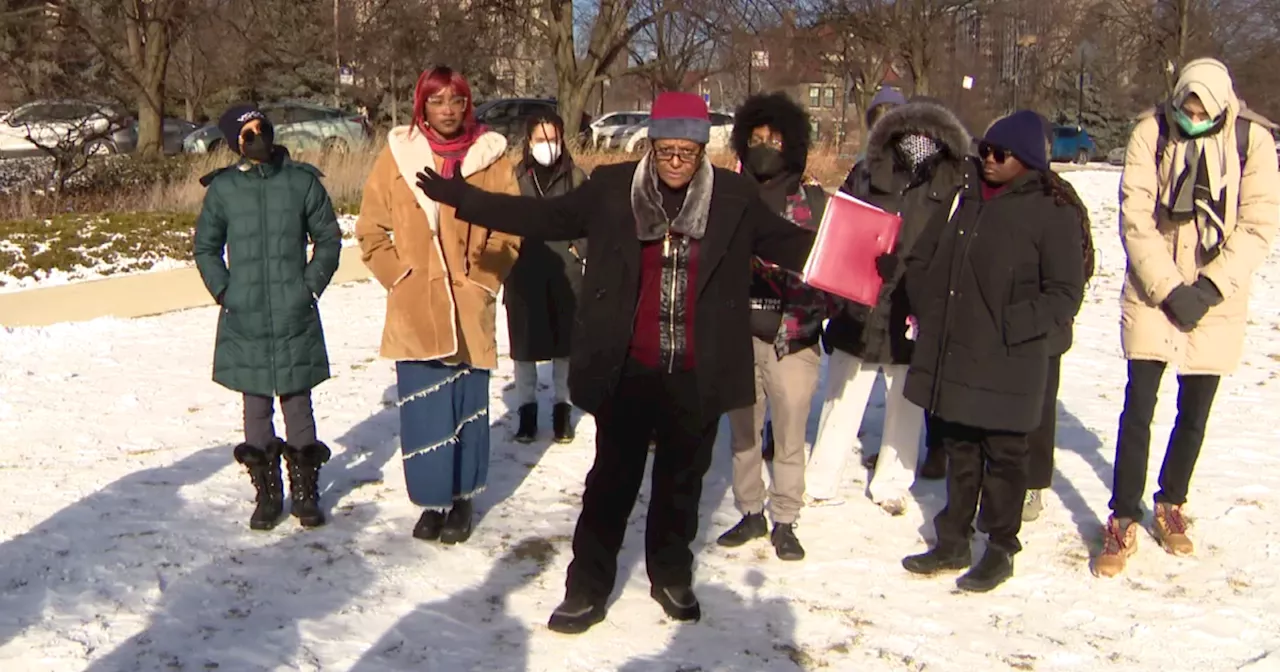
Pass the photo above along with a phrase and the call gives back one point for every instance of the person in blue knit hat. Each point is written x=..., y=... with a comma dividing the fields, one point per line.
x=987, y=307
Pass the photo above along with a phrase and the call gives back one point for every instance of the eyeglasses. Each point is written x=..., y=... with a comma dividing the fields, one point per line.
x=757, y=141
x=456, y=104
x=986, y=149
x=667, y=154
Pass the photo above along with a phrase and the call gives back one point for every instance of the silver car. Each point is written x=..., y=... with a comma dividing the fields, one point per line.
x=299, y=127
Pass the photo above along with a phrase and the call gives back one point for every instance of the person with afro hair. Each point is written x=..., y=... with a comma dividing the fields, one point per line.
x=771, y=138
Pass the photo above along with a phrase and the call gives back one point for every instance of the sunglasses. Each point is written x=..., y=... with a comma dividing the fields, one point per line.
x=986, y=149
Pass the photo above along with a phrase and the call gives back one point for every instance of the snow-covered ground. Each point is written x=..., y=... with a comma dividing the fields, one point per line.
x=112, y=265
x=125, y=545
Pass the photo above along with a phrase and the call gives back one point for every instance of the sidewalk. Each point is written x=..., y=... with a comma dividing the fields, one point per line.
x=130, y=296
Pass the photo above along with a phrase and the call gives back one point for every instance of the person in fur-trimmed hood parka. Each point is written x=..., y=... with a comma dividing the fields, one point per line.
x=914, y=166
x=442, y=274
x=771, y=139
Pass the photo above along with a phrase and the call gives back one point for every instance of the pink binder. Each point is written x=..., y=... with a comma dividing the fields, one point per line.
x=851, y=236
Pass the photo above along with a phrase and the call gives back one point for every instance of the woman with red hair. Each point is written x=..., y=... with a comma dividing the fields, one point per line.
x=442, y=277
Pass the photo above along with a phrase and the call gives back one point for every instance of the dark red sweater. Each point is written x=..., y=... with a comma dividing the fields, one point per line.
x=655, y=338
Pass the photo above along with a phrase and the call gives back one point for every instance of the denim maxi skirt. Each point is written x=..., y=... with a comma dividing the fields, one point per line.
x=444, y=431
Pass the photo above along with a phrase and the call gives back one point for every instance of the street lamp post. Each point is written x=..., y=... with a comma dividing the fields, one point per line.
x=1086, y=52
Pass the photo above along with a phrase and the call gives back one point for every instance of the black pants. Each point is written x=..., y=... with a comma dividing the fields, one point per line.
x=1133, y=449
x=984, y=465
x=647, y=404
x=299, y=422
x=1041, y=440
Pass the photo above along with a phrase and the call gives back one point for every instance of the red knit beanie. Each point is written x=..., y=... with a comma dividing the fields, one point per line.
x=680, y=116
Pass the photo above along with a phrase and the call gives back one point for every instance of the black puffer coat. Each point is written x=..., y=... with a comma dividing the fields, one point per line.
x=989, y=286
x=879, y=334
x=541, y=294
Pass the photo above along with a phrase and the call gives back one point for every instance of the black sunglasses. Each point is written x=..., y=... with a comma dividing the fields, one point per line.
x=986, y=149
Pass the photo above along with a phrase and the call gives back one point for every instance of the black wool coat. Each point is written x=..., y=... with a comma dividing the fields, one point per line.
x=541, y=293
x=989, y=286
x=879, y=334
x=739, y=226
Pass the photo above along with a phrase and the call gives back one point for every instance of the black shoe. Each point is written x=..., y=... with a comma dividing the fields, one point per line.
x=457, y=525
x=528, y=430
x=429, y=526
x=576, y=615
x=562, y=422
x=935, y=465
x=678, y=601
x=752, y=526
x=264, y=472
x=766, y=442
x=993, y=569
x=938, y=560
x=785, y=543
x=304, y=482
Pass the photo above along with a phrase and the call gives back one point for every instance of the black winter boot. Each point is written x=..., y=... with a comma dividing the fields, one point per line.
x=457, y=525
x=995, y=567
x=938, y=560
x=429, y=526
x=264, y=472
x=785, y=543
x=935, y=465
x=752, y=526
x=562, y=422
x=576, y=614
x=304, y=482
x=528, y=430
x=678, y=602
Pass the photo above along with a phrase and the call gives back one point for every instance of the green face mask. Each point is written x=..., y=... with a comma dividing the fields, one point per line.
x=1193, y=128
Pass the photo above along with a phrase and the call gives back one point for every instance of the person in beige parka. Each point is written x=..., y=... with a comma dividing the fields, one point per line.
x=1199, y=210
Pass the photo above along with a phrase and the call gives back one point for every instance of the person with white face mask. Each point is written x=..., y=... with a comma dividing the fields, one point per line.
x=541, y=292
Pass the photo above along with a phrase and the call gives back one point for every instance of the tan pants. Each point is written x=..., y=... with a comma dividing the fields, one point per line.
x=787, y=386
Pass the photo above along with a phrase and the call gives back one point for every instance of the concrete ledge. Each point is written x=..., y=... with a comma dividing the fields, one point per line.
x=130, y=296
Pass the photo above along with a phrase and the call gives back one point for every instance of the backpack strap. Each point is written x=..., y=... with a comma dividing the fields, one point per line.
x=1242, y=141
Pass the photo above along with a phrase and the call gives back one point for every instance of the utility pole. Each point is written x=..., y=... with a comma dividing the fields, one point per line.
x=337, y=59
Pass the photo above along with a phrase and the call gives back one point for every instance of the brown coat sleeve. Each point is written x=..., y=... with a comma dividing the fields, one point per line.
x=492, y=261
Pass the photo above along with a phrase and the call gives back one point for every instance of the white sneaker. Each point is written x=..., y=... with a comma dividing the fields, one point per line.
x=1033, y=505
x=828, y=501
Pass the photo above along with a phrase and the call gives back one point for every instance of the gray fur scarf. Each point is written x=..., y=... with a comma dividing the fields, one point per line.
x=646, y=203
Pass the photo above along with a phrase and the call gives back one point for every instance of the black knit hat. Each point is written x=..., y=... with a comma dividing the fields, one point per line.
x=1022, y=134
x=234, y=119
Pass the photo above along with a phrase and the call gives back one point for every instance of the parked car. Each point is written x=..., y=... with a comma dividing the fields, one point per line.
x=102, y=128
x=299, y=127
x=507, y=116
x=604, y=131
x=174, y=133
x=721, y=133
x=1072, y=143
x=1115, y=157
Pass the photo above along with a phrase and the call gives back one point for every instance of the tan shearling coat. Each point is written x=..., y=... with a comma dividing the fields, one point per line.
x=1162, y=253
x=442, y=274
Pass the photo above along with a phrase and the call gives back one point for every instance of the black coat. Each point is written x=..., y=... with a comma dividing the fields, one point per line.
x=541, y=293
x=989, y=286
x=879, y=334
x=739, y=225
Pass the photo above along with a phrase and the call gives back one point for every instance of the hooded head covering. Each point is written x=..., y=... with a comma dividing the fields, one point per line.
x=1200, y=165
x=884, y=96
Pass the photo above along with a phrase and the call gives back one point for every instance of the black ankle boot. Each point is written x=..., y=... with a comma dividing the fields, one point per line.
x=935, y=465
x=429, y=526
x=938, y=560
x=562, y=422
x=457, y=525
x=785, y=543
x=528, y=430
x=678, y=602
x=304, y=482
x=752, y=526
x=264, y=472
x=576, y=614
x=995, y=567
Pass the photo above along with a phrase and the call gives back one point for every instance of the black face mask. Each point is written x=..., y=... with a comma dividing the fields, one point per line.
x=766, y=162
x=256, y=146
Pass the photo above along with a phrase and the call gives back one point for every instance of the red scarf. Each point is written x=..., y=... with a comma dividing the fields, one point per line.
x=454, y=150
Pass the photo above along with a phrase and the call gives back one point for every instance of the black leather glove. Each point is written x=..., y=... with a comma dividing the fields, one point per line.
x=1187, y=305
x=887, y=265
x=446, y=191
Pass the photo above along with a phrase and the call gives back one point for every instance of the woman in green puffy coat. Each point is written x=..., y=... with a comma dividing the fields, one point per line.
x=261, y=212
